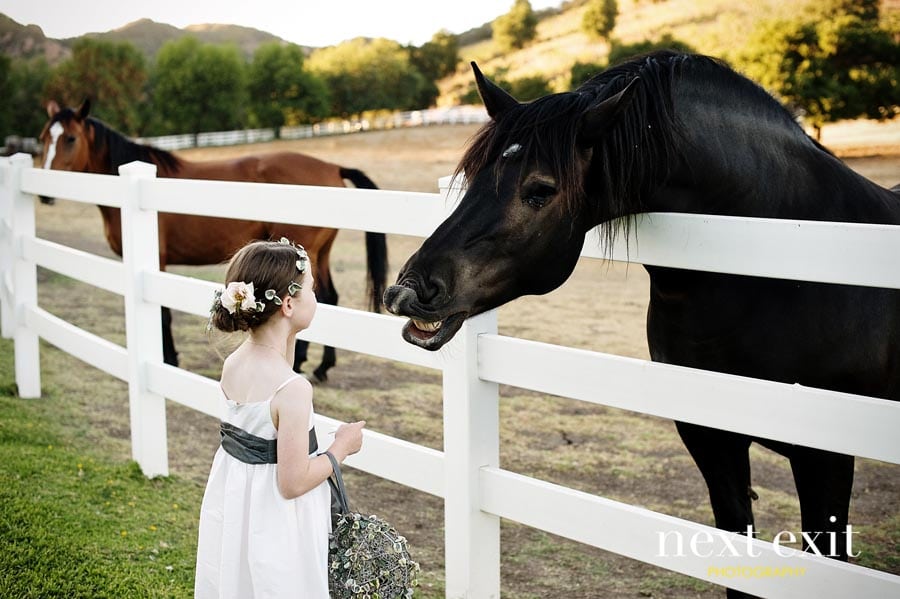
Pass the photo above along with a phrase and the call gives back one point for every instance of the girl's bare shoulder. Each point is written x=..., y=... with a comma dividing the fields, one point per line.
x=292, y=403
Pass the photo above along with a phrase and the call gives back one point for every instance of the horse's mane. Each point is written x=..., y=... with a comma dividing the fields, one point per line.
x=121, y=149
x=633, y=158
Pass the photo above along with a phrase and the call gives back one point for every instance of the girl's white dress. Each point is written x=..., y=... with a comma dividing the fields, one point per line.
x=254, y=543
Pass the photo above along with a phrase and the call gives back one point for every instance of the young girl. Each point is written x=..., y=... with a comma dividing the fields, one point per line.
x=266, y=513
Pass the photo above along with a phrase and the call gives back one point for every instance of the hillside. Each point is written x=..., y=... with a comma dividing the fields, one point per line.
x=149, y=36
x=29, y=41
x=715, y=27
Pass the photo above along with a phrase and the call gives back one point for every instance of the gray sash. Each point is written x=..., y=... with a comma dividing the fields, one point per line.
x=251, y=449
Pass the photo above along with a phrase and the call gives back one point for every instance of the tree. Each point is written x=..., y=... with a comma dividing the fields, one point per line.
x=112, y=74
x=526, y=89
x=5, y=90
x=437, y=58
x=434, y=59
x=199, y=87
x=26, y=102
x=599, y=18
x=364, y=74
x=582, y=71
x=619, y=52
x=516, y=28
x=837, y=64
x=281, y=91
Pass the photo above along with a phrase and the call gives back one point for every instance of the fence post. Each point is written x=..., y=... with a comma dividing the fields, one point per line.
x=471, y=441
x=7, y=250
x=24, y=283
x=143, y=325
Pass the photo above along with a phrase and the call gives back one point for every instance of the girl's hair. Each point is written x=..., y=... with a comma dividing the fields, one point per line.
x=266, y=264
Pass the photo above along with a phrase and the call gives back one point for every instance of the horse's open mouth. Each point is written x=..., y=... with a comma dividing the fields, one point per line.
x=433, y=335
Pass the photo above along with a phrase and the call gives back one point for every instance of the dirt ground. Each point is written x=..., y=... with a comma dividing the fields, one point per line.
x=614, y=453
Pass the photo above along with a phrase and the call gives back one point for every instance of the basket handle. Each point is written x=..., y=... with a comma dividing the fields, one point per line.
x=336, y=481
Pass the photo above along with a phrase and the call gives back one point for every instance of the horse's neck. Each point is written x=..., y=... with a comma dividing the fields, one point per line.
x=755, y=165
x=118, y=150
x=112, y=227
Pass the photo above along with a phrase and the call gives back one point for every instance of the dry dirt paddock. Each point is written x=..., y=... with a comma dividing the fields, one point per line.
x=614, y=453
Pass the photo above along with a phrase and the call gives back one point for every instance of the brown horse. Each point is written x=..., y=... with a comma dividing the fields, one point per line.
x=74, y=141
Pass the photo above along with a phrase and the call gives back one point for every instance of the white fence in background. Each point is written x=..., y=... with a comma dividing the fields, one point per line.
x=476, y=491
x=454, y=115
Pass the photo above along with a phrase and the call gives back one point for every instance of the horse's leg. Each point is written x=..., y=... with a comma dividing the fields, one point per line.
x=300, y=348
x=326, y=294
x=824, y=481
x=724, y=461
x=170, y=356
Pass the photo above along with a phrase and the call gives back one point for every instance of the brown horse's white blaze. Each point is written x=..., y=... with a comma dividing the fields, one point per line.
x=73, y=141
x=56, y=130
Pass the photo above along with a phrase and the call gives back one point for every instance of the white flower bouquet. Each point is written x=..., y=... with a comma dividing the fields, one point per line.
x=368, y=558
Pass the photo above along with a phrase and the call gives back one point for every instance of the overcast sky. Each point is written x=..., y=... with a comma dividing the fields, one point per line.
x=305, y=22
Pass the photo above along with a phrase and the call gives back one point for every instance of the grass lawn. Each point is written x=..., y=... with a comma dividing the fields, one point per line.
x=75, y=522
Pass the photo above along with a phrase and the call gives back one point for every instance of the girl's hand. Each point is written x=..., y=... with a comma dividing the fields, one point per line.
x=347, y=439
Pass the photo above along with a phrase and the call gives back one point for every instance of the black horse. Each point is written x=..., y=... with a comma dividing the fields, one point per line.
x=670, y=132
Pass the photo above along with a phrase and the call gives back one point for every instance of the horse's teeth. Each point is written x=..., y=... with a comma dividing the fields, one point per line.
x=429, y=327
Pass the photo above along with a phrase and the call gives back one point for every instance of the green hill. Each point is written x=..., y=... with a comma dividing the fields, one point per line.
x=715, y=27
x=29, y=41
x=149, y=36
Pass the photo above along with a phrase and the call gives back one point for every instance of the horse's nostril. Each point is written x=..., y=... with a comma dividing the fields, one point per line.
x=426, y=289
x=397, y=298
x=433, y=290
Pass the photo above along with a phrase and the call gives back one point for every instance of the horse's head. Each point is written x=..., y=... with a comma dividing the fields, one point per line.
x=520, y=226
x=66, y=140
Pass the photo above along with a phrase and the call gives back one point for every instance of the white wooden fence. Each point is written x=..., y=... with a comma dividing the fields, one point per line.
x=476, y=491
x=451, y=115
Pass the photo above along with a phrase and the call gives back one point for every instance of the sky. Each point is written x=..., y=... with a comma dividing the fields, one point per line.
x=304, y=22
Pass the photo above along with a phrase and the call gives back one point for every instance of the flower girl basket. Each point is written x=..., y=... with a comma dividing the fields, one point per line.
x=367, y=557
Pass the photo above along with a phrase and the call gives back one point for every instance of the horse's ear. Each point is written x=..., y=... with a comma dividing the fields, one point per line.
x=496, y=100
x=596, y=119
x=52, y=108
x=85, y=109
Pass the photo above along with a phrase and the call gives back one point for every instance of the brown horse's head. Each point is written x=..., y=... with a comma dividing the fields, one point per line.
x=66, y=140
x=520, y=227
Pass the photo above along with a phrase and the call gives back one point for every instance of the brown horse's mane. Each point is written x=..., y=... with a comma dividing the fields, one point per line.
x=121, y=150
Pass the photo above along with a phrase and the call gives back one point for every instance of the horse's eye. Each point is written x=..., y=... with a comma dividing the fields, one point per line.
x=537, y=195
x=70, y=139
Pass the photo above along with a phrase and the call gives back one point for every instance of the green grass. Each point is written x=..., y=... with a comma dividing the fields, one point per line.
x=75, y=522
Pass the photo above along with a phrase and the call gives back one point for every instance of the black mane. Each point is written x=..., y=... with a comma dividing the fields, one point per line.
x=121, y=150
x=635, y=155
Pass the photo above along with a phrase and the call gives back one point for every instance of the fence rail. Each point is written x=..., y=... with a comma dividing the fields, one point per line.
x=466, y=474
x=455, y=115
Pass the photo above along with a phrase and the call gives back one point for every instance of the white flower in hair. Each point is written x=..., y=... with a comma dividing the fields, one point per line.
x=238, y=296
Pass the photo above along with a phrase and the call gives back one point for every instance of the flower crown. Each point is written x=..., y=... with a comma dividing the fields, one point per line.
x=239, y=296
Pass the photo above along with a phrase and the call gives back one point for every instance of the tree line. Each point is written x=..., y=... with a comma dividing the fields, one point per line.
x=833, y=59
x=192, y=87
x=829, y=60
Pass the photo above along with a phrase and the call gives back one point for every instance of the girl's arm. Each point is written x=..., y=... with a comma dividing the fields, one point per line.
x=297, y=472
